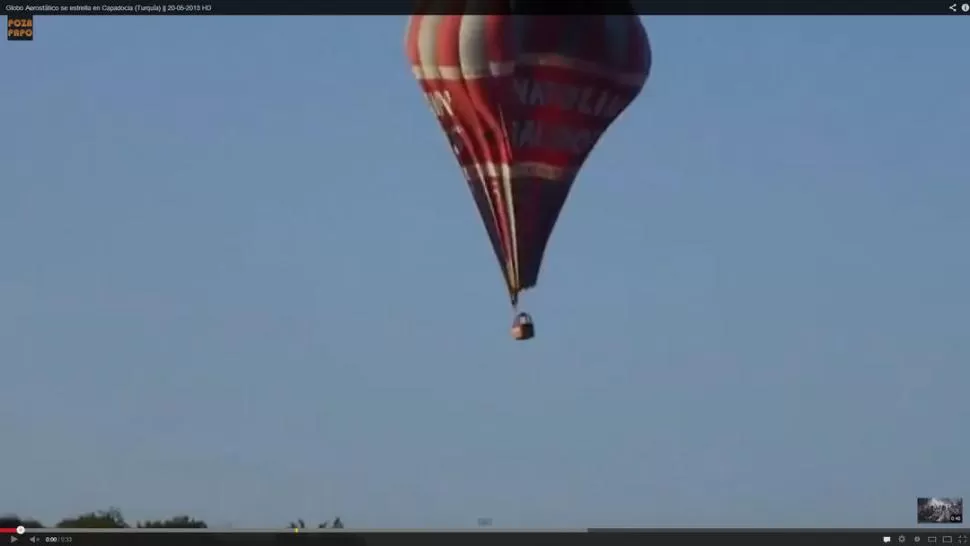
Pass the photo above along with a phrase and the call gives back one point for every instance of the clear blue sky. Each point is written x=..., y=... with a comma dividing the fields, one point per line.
x=243, y=278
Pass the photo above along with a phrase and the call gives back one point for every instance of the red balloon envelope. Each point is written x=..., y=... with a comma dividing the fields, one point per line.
x=523, y=100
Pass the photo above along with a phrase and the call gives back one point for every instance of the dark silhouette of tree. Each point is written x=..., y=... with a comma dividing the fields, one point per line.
x=337, y=539
x=102, y=519
x=336, y=524
x=113, y=519
x=8, y=521
x=178, y=522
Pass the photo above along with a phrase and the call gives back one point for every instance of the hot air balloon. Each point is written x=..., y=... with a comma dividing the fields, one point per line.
x=523, y=99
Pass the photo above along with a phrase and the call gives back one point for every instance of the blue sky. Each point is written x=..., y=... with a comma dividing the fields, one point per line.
x=242, y=278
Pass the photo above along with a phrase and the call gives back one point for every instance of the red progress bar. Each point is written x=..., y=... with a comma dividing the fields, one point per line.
x=8, y=530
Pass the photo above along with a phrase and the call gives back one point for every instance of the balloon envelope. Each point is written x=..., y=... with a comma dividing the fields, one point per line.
x=523, y=99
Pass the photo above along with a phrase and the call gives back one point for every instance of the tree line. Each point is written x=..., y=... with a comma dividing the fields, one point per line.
x=112, y=518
